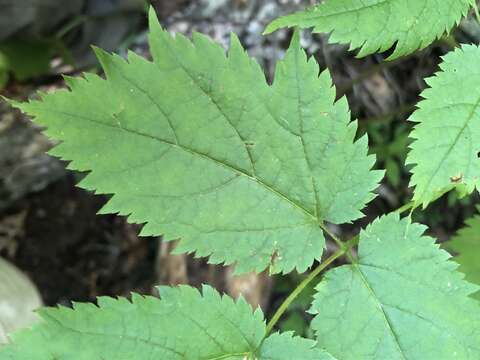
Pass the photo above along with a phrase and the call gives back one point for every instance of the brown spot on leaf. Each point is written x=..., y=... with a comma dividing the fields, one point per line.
x=273, y=258
x=456, y=178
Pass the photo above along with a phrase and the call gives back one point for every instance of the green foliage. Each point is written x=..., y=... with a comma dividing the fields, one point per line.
x=24, y=59
x=389, y=143
x=376, y=25
x=287, y=347
x=466, y=247
x=392, y=302
x=3, y=71
x=445, y=150
x=182, y=325
x=296, y=318
x=196, y=145
x=199, y=147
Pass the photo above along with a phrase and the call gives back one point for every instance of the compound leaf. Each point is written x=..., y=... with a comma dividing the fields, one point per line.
x=445, y=147
x=182, y=325
x=198, y=146
x=402, y=299
x=376, y=25
x=466, y=247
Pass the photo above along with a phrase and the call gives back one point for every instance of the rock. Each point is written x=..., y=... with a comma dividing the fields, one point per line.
x=78, y=23
x=24, y=165
x=18, y=300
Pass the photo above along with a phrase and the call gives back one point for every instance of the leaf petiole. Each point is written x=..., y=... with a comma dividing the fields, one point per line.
x=344, y=249
x=294, y=294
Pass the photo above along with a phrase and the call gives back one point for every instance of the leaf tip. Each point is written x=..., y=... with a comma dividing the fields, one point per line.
x=8, y=101
x=269, y=29
x=14, y=103
x=153, y=22
x=99, y=53
x=275, y=25
x=295, y=41
x=235, y=42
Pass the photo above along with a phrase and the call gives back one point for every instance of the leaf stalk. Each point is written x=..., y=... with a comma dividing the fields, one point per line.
x=294, y=294
x=344, y=249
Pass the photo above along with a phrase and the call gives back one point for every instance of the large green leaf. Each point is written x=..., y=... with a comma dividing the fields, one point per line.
x=199, y=147
x=376, y=25
x=445, y=151
x=466, y=247
x=182, y=325
x=403, y=299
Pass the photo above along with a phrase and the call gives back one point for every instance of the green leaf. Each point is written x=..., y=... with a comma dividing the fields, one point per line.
x=287, y=347
x=199, y=147
x=403, y=299
x=182, y=325
x=445, y=147
x=466, y=246
x=376, y=25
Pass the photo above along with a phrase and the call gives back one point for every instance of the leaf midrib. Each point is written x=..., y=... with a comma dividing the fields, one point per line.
x=451, y=147
x=192, y=152
x=302, y=134
x=379, y=304
x=62, y=325
x=137, y=339
x=213, y=101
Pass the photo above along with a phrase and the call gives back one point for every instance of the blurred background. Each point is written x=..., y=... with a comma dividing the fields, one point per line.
x=54, y=249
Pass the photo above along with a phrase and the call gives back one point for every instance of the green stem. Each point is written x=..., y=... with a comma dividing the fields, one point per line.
x=340, y=243
x=344, y=249
x=293, y=295
x=405, y=207
x=346, y=246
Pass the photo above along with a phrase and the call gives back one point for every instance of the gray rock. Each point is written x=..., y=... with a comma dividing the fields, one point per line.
x=24, y=166
x=18, y=300
x=35, y=17
x=104, y=23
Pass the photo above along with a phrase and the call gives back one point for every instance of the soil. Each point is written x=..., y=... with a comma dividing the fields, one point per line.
x=70, y=253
